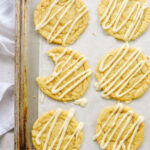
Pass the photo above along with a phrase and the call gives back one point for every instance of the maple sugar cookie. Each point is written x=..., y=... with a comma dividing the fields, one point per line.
x=123, y=73
x=70, y=77
x=61, y=21
x=124, y=19
x=57, y=130
x=119, y=128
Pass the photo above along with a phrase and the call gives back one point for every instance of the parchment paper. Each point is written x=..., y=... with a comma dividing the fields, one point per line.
x=93, y=44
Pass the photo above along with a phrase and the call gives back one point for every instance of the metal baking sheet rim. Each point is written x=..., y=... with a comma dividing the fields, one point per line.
x=20, y=131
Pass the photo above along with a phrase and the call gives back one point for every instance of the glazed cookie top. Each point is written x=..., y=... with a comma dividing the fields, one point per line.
x=119, y=128
x=61, y=21
x=124, y=19
x=57, y=130
x=123, y=74
x=70, y=77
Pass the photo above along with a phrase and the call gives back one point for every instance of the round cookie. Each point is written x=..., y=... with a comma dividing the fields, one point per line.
x=61, y=21
x=70, y=77
x=57, y=129
x=119, y=128
x=123, y=74
x=124, y=19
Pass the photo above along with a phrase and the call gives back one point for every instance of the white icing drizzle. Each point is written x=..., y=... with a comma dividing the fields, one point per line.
x=112, y=125
x=141, y=119
x=79, y=10
x=85, y=73
x=61, y=132
x=55, y=116
x=50, y=131
x=49, y=11
x=134, y=127
x=76, y=132
x=128, y=116
x=130, y=113
x=119, y=105
x=123, y=147
x=46, y=20
x=53, y=56
x=122, y=84
x=72, y=25
x=55, y=73
x=54, y=89
x=138, y=15
x=74, y=66
x=141, y=63
x=62, y=54
x=50, y=18
x=135, y=24
x=81, y=102
x=61, y=29
x=55, y=26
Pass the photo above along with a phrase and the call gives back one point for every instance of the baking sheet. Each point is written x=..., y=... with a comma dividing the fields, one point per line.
x=93, y=44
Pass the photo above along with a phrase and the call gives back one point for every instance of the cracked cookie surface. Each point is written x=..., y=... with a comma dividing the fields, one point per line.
x=119, y=127
x=70, y=77
x=61, y=21
x=124, y=19
x=123, y=73
x=57, y=129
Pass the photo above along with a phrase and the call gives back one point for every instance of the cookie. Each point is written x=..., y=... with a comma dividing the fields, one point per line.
x=70, y=77
x=124, y=19
x=61, y=21
x=57, y=130
x=123, y=74
x=119, y=128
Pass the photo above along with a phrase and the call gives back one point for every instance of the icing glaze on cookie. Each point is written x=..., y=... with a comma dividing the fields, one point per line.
x=74, y=66
x=137, y=10
x=81, y=102
x=44, y=22
x=48, y=18
x=128, y=116
x=113, y=85
x=74, y=22
x=61, y=133
x=70, y=77
x=76, y=132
